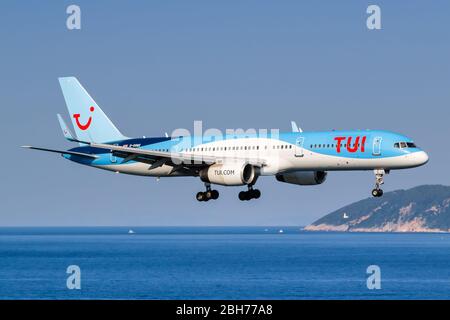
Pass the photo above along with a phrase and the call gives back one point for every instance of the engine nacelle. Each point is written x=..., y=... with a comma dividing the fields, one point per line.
x=229, y=174
x=304, y=178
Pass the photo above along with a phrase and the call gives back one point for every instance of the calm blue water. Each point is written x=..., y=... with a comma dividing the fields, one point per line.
x=220, y=263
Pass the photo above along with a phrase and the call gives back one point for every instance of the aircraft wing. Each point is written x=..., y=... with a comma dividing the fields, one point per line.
x=177, y=158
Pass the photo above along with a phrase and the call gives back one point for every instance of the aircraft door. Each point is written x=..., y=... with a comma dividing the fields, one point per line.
x=299, y=147
x=377, y=146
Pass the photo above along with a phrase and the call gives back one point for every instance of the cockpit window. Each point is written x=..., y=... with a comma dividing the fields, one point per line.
x=405, y=145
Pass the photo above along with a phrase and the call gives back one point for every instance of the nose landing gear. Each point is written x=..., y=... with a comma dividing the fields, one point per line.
x=379, y=174
x=250, y=194
x=208, y=194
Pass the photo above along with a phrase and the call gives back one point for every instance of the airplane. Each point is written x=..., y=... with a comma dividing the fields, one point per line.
x=296, y=157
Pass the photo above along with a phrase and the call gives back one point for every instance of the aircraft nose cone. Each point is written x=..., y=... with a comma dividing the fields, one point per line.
x=420, y=158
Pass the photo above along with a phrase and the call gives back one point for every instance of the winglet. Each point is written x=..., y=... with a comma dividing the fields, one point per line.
x=295, y=128
x=65, y=129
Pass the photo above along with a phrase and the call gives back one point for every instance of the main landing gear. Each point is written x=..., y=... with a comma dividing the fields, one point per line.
x=250, y=194
x=208, y=194
x=379, y=174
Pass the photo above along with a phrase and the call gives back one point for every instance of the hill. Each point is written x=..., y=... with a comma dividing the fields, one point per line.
x=421, y=209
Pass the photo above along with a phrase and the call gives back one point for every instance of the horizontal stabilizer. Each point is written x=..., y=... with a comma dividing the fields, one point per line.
x=66, y=131
x=78, y=154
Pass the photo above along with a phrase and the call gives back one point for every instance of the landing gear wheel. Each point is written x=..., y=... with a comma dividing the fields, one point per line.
x=214, y=194
x=250, y=194
x=207, y=195
x=243, y=196
x=200, y=196
x=377, y=193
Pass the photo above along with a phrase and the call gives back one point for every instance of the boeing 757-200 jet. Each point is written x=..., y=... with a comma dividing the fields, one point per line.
x=296, y=157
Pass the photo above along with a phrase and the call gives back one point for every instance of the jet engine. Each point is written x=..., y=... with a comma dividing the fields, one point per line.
x=304, y=178
x=229, y=174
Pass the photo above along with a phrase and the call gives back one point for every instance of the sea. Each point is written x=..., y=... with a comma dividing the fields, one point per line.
x=221, y=263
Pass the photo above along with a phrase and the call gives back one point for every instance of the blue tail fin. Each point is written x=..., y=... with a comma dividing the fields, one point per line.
x=90, y=122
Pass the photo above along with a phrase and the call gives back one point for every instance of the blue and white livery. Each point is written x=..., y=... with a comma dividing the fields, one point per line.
x=296, y=157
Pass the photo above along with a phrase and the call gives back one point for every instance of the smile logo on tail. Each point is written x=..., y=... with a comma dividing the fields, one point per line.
x=88, y=123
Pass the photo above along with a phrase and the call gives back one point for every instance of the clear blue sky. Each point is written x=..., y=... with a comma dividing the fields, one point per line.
x=155, y=66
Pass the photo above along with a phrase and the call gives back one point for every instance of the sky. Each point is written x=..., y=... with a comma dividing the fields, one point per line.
x=155, y=66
